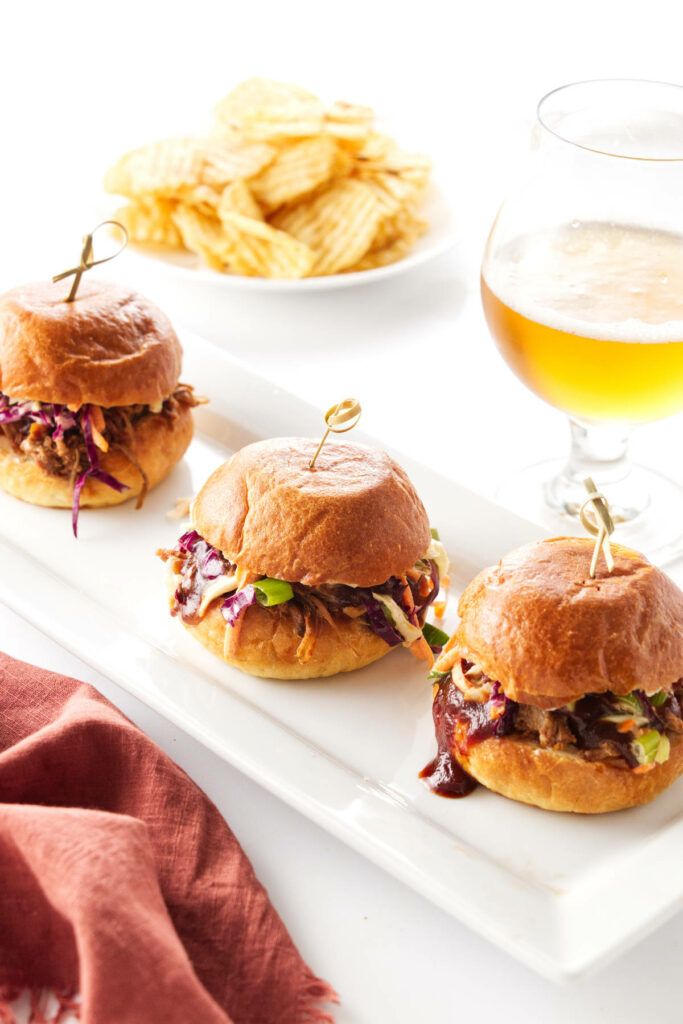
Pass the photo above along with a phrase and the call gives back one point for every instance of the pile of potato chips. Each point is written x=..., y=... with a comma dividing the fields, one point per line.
x=284, y=187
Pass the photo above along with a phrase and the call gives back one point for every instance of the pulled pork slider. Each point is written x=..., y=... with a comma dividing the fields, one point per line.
x=91, y=411
x=564, y=691
x=291, y=572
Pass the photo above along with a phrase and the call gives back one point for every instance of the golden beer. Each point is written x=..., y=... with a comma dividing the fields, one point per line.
x=590, y=317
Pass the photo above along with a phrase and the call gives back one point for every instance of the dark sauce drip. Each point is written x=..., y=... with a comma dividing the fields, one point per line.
x=443, y=774
x=461, y=723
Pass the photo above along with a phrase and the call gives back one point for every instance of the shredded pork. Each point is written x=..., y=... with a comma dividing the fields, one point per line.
x=598, y=727
x=66, y=455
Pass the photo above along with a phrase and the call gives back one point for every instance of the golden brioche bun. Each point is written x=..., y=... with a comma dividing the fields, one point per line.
x=356, y=518
x=564, y=781
x=265, y=642
x=549, y=634
x=157, y=445
x=110, y=346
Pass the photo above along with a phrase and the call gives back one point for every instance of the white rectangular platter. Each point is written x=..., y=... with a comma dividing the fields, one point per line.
x=562, y=893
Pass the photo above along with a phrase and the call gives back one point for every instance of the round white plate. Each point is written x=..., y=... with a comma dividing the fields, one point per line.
x=438, y=239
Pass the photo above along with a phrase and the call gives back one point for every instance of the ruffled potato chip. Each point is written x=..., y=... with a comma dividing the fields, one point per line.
x=166, y=168
x=398, y=240
x=379, y=153
x=284, y=187
x=297, y=170
x=256, y=249
x=262, y=109
x=391, y=191
x=339, y=224
x=202, y=234
x=348, y=122
x=150, y=223
x=238, y=198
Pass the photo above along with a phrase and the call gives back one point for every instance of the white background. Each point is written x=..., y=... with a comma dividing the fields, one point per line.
x=81, y=83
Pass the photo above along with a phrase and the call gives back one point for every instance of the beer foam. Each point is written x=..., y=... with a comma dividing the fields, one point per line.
x=580, y=279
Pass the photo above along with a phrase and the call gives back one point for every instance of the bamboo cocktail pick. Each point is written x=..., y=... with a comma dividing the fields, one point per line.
x=600, y=525
x=87, y=263
x=339, y=418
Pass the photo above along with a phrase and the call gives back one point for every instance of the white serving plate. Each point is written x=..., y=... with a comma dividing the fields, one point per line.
x=562, y=893
x=186, y=269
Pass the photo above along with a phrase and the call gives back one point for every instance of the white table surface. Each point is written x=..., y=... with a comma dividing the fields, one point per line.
x=82, y=83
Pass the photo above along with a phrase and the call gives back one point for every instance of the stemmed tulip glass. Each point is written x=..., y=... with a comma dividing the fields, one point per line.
x=582, y=286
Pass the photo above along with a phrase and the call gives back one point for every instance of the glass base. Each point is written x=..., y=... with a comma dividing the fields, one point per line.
x=647, y=507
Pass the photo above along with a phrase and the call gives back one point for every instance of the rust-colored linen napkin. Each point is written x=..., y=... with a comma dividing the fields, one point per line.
x=120, y=879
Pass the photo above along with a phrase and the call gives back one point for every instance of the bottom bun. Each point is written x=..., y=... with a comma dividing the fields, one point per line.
x=264, y=643
x=558, y=781
x=157, y=445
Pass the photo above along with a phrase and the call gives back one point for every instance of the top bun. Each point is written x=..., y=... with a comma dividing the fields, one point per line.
x=110, y=346
x=548, y=633
x=355, y=518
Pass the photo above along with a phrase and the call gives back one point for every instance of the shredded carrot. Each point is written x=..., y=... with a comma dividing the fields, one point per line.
x=74, y=408
x=642, y=768
x=245, y=576
x=100, y=441
x=97, y=417
x=421, y=649
x=413, y=574
x=408, y=598
x=425, y=586
x=440, y=606
x=435, y=690
x=626, y=726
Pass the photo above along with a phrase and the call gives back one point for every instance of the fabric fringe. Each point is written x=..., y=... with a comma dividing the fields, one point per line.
x=8, y=995
x=314, y=991
x=66, y=1004
x=39, y=999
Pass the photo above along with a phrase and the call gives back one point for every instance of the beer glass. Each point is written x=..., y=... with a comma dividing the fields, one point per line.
x=582, y=287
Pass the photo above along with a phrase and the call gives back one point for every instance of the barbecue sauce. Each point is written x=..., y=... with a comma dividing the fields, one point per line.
x=460, y=723
x=443, y=774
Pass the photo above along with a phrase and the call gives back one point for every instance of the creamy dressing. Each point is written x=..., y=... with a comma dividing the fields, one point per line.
x=437, y=553
x=221, y=585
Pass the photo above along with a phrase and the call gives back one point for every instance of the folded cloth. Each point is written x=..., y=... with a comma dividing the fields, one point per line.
x=121, y=880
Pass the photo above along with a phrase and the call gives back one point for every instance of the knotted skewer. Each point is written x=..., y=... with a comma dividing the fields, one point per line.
x=339, y=418
x=600, y=527
x=87, y=263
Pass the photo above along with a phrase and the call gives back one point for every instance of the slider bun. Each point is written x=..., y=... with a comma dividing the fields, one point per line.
x=157, y=445
x=549, y=634
x=266, y=643
x=355, y=518
x=110, y=346
x=560, y=781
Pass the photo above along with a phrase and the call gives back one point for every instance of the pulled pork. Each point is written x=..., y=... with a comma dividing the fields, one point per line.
x=200, y=568
x=599, y=727
x=54, y=436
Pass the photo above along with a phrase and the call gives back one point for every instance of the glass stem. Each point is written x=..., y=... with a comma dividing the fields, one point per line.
x=601, y=453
